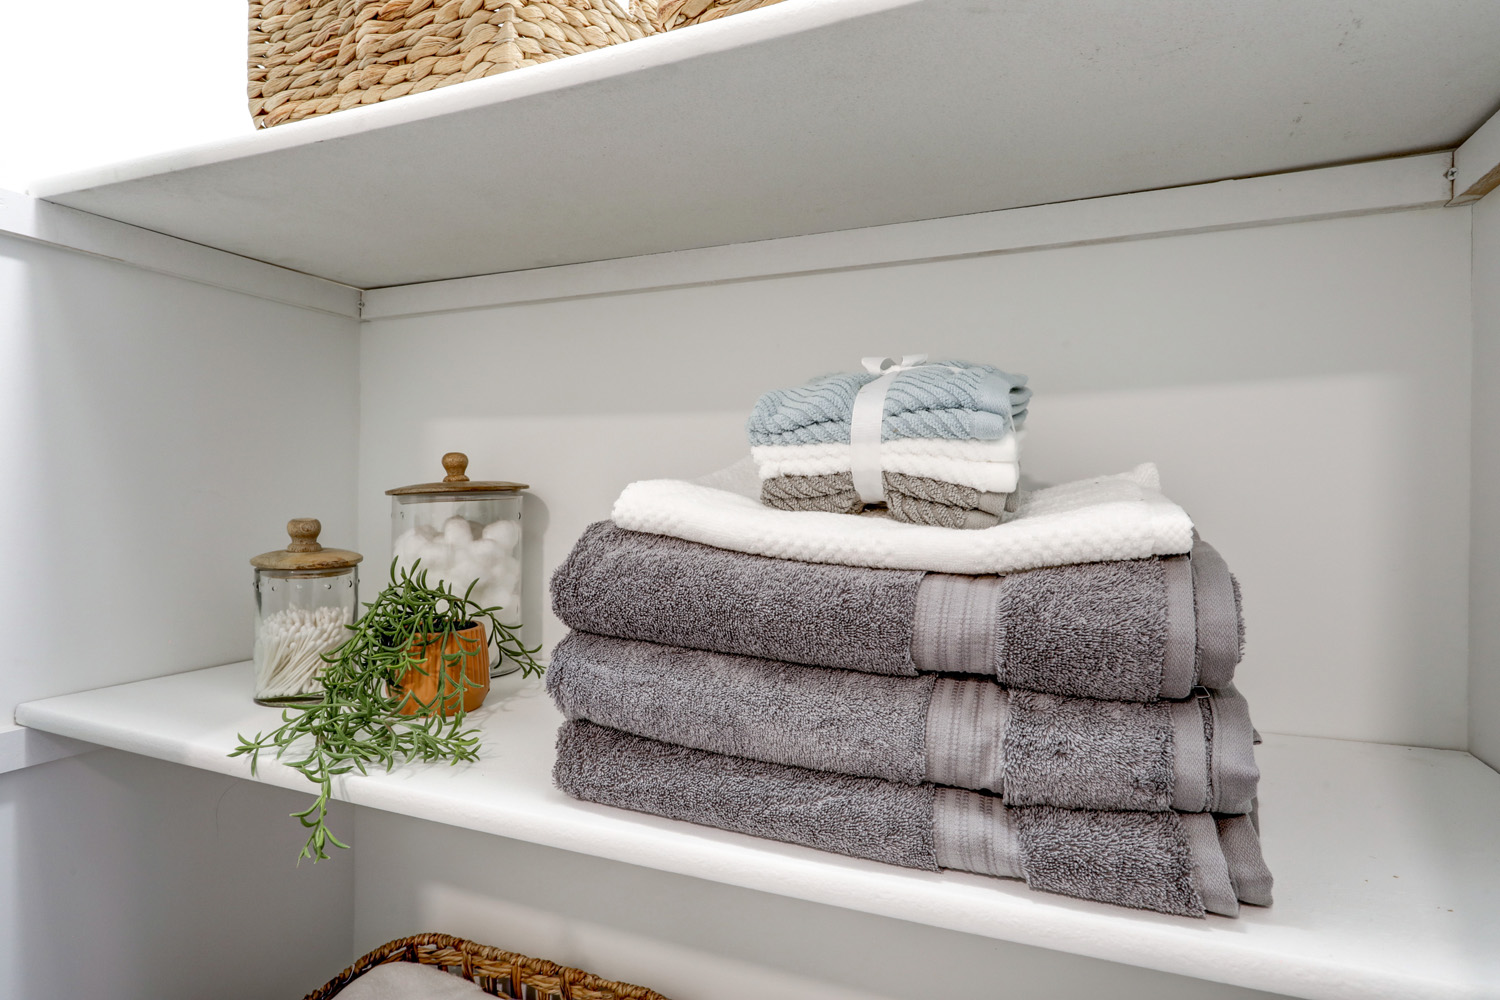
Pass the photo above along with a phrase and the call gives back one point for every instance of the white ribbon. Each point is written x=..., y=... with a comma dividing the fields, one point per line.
x=865, y=422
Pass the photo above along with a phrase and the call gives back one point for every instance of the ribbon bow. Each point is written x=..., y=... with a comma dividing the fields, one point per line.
x=883, y=366
x=865, y=419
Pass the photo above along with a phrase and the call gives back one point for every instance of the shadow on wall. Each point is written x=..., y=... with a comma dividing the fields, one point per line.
x=696, y=940
x=135, y=879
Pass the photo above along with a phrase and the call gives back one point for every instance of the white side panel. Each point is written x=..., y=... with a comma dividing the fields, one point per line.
x=157, y=433
x=1484, y=676
x=1304, y=387
x=132, y=879
x=21, y=747
x=695, y=940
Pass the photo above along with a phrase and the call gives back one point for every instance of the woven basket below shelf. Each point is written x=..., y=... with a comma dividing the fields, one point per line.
x=673, y=14
x=500, y=973
x=312, y=57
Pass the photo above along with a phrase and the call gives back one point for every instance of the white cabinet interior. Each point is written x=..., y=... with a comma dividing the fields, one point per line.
x=1310, y=357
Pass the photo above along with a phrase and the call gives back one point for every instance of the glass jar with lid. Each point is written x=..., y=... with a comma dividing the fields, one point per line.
x=305, y=596
x=465, y=532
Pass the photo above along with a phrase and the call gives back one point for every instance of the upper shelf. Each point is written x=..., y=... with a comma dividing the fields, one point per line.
x=1384, y=857
x=819, y=115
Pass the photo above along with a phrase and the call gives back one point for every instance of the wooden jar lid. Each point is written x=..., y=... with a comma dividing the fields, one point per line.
x=304, y=552
x=454, y=464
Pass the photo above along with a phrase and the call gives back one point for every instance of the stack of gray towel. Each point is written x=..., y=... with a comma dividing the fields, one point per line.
x=1074, y=726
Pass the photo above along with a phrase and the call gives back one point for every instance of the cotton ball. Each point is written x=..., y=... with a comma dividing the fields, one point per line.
x=487, y=552
x=486, y=594
x=511, y=603
x=426, y=532
x=405, y=549
x=436, y=557
x=457, y=531
x=505, y=574
x=504, y=583
x=507, y=533
x=463, y=572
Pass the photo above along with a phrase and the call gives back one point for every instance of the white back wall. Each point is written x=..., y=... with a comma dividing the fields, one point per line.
x=1304, y=388
x=1484, y=680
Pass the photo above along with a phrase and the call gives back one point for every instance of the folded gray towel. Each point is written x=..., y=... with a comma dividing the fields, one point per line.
x=1169, y=862
x=912, y=499
x=1033, y=749
x=1135, y=630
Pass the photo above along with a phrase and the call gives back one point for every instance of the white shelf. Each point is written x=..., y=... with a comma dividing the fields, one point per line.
x=1385, y=857
x=814, y=116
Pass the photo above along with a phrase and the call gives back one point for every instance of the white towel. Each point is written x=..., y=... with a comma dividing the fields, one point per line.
x=409, y=981
x=1093, y=520
x=1007, y=449
x=987, y=466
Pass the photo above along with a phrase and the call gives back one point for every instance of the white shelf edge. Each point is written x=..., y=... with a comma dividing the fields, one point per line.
x=1476, y=163
x=508, y=793
x=1389, y=185
x=39, y=221
x=21, y=748
x=654, y=51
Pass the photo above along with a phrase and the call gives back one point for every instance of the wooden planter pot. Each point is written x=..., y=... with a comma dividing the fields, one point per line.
x=441, y=678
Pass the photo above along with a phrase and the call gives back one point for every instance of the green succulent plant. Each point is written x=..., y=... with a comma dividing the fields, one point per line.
x=359, y=723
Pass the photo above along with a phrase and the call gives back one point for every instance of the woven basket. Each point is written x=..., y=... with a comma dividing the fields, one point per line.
x=312, y=57
x=500, y=973
x=681, y=13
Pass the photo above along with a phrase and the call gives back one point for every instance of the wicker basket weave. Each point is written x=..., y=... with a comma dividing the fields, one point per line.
x=500, y=973
x=312, y=57
x=681, y=13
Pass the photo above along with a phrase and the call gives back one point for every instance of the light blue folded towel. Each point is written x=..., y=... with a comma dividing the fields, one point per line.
x=945, y=399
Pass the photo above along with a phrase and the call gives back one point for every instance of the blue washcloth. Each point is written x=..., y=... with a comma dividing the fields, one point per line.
x=974, y=402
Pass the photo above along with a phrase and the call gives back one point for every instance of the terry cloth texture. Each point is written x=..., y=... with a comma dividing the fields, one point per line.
x=983, y=477
x=410, y=981
x=1127, y=631
x=1032, y=749
x=638, y=586
x=949, y=399
x=1146, y=860
x=913, y=499
x=1094, y=520
x=823, y=459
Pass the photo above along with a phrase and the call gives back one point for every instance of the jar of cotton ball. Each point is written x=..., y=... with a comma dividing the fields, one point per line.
x=305, y=596
x=464, y=532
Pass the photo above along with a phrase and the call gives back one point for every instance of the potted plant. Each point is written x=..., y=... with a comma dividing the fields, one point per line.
x=396, y=690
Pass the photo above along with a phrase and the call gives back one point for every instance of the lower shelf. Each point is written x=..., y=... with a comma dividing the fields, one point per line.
x=1386, y=859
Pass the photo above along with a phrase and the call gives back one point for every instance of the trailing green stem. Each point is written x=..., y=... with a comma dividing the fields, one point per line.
x=358, y=722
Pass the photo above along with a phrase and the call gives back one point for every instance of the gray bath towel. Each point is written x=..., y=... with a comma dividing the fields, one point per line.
x=1168, y=862
x=1195, y=755
x=912, y=499
x=1135, y=630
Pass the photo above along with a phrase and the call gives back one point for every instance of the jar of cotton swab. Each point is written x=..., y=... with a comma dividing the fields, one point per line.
x=465, y=532
x=305, y=596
